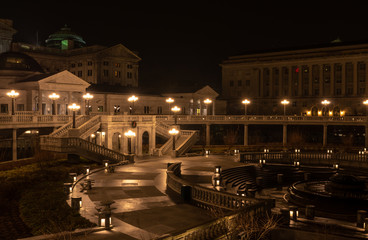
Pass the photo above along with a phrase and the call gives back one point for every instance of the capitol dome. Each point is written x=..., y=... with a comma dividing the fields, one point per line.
x=65, y=39
x=17, y=61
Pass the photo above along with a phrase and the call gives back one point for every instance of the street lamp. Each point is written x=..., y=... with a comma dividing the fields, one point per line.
x=54, y=97
x=285, y=102
x=173, y=132
x=132, y=99
x=129, y=134
x=245, y=102
x=87, y=97
x=175, y=109
x=74, y=107
x=13, y=94
x=208, y=102
x=169, y=101
x=325, y=103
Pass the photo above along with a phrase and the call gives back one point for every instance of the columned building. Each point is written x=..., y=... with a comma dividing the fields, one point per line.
x=335, y=72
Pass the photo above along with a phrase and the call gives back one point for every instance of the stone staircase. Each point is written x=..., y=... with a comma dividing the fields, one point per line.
x=63, y=130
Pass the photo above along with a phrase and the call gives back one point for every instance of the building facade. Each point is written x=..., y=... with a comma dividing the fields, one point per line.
x=304, y=77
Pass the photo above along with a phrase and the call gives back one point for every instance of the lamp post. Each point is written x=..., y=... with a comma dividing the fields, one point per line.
x=74, y=107
x=132, y=99
x=245, y=102
x=175, y=109
x=87, y=97
x=169, y=101
x=173, y=132
x=325, y=103
x=285, y=102
x=54, y=97
x=208, y=102
x=13, y=94
x=129, y=134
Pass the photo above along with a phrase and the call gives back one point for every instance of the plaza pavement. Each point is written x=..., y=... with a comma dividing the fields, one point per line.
x=142, y=208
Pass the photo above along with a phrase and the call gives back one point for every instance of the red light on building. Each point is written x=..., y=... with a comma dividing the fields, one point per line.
x=297, y=70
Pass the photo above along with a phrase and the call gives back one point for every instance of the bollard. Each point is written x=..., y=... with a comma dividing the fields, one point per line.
x=279, y=181
x=218, y=169
x=76, y=203
x=285, y=216
x=361, y=215
x=73, y=176
x=309, y=212
x=307, y=176
x=105, y=163
x=68, y=188
x=104, y=219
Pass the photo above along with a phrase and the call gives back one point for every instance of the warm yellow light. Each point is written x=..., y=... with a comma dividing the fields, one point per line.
x=87, y=96
x=207, y=101
x=246, y=101
x=170, y=100
x=309, y=113
x=129, y=133
x=325, y=102
x=132, y=99
x=342, y=113
x=365, y=102
x=285, y=102
x=12, y=94
x=319, y=113
x=173, y=131
x=74, y=107
x=54, y=96
x=175, y=109
x=330, y=113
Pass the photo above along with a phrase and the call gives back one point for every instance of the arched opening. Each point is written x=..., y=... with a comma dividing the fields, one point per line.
x=336, y=111
x=314, y=111
x=145, y=143
x=116, y=142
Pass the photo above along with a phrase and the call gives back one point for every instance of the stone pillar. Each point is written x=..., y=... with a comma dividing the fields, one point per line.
x=39, y=101
x=332, y=81
x=245, y=134
x=152, y=141
x=208, y=134
x=284, y=135
x=343, y=79
x=355, y=78
x=69, y=101
x=324, y=135
x=213, y=107
x=138, y=142
x=83, y=105
x=14, y=144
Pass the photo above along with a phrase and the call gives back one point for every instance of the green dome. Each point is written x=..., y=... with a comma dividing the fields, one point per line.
x=65, y=39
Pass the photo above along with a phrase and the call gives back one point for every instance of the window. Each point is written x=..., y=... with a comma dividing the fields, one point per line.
x=100, y=108
x=338, y=91
x=72, y=65
x=105, y=73
x=159, y=110
x=129, y=66
x=117, y=74
x=231, y=83
x=349, y=91
x=20, y=107
x=89, y=63
x=80, y=64
x=146, y=109
x=105, y=63
x=89, y=73
x=247, y=83
x=239, y=83
x=294, y=104
x=4, y=108
x=79, y=73
x=316, y=92
x=129, y=75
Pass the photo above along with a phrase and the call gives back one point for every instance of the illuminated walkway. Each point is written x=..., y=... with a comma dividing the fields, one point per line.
x=142, y=209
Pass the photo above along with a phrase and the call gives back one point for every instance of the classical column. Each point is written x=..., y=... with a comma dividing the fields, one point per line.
x=355, y=78
x=284, y=135
x=332, y=79
x=213, y=107
x=324, y=135
x=321, y=80
x=208, y=134
x=39, y=101
x=343, y=79
x=310, y=80
x=152, y=141
x=245, y=134
x=14, y=144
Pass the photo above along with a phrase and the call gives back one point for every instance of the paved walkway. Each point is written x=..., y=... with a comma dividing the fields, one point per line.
x=142, y=208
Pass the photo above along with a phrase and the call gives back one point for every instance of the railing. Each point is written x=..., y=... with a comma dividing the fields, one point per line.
x=313, y=158
x=79, y=146
x=62, y=131
x=208, y=198
x=90, y=126
x=188, y=142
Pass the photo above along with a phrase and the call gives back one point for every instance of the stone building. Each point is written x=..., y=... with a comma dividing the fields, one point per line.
x=305, y=77
x=6, y=34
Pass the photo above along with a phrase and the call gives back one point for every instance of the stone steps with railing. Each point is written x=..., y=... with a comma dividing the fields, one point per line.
x=63, y=130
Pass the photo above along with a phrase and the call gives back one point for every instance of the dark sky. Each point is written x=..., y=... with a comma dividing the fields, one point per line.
x=182, y=43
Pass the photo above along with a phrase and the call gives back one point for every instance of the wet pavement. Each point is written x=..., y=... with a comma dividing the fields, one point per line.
x=142, y=209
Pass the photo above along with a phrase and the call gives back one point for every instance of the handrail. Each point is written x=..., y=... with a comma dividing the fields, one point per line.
x=62, y=131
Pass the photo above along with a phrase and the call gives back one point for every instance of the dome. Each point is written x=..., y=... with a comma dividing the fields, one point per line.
x=65, y=39
x=19, y=62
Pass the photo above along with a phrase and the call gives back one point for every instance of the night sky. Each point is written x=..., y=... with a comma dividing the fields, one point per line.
x=182, y=43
